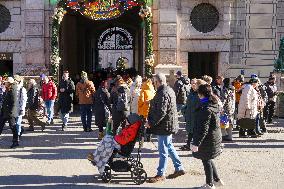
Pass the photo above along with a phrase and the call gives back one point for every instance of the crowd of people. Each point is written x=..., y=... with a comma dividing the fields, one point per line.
x=211, y=109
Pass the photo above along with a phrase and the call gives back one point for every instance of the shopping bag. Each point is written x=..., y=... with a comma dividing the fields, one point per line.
x=247, y=123
x=224, y=121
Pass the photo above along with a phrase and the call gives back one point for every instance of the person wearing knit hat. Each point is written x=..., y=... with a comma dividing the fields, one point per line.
x=271, y=90
x=248, y=106
x=179, y=74
x=254, y=76
x=49, y=94
x=9, y=103
x=84, y=75
x=85, y=91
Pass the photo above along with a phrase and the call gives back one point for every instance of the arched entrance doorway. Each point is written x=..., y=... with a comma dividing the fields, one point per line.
x=113, y=44
x=91, y=45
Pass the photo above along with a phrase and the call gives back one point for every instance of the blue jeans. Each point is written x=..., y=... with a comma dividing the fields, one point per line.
x=49, y=106
x=65, y=118
x=166, y=148
x=19, y=124
x=86, y=115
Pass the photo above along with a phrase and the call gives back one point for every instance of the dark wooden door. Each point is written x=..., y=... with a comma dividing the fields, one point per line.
x=6, y=67
x=202, y=63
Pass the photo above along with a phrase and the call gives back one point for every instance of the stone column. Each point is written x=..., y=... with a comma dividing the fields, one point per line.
x=34, y=20
x=168, y=43
x=11, y=40
x=260, y=37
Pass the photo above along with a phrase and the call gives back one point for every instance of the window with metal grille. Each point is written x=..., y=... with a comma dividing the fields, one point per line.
x=5, y=18
x=204, y=17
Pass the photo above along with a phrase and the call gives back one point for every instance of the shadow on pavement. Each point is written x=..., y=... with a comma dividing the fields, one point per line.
x=60, y=182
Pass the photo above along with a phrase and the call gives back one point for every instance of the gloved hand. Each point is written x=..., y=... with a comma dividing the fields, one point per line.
x=193, y=148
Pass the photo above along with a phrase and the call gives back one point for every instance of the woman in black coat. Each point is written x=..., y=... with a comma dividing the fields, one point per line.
x=101, y=105
x=207, y=135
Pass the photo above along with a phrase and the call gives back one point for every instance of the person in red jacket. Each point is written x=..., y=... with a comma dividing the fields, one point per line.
x=49, y=94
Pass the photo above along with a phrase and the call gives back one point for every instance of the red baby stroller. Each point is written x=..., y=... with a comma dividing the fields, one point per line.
x=128, y=163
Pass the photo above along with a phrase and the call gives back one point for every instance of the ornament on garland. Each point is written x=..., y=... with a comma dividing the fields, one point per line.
x=121, y=63
x=145, y=12
x=101, y=9
x=150, y=60
x=59, y=14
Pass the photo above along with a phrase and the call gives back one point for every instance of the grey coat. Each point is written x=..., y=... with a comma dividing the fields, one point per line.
x=117, y=115
x=163, y=117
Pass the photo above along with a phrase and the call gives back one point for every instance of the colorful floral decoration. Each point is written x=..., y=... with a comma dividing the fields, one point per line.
x=101, y=10
x=150, y=61
x=146, y=14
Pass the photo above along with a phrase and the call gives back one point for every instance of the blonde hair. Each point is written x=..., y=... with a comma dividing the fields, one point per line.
x=208, y=79
x=200, y=82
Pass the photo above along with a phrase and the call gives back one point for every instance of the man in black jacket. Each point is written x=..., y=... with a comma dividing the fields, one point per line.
x=65, y=101
x=162, y=120
x=33, y=106
x=180, y=91
x=271, y=90
x=8, y=105
x=217, y=87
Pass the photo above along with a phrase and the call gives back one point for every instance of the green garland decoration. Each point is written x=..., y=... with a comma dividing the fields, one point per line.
x=55, y=59
x=59, y=13
x=149, y=47
x=279, y=63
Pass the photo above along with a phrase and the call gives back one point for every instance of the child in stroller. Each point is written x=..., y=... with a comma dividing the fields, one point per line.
x=123, y=144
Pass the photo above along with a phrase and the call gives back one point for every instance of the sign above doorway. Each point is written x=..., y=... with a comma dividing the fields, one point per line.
x=101, y=9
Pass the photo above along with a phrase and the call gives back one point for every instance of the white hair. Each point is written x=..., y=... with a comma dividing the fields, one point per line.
x=33, y=82
x=161, y=78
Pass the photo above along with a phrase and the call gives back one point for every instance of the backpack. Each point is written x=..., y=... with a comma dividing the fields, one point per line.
x=122, y=102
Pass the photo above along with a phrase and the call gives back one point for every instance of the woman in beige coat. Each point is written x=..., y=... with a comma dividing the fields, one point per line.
x=248, y=104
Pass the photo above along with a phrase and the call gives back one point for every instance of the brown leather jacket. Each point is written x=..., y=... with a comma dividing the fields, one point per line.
x=85, y=91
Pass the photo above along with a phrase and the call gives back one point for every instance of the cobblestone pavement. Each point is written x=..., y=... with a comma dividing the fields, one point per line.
x=57, y=160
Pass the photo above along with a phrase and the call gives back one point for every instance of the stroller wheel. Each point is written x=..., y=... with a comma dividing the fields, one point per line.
x=106, y=176
x=139, y=165
x=139, y=176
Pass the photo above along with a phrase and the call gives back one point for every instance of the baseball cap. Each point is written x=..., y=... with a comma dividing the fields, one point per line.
x=253, y=76
x=42, y=76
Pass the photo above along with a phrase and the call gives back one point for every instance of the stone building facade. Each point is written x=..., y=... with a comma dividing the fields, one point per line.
x=245, y=37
